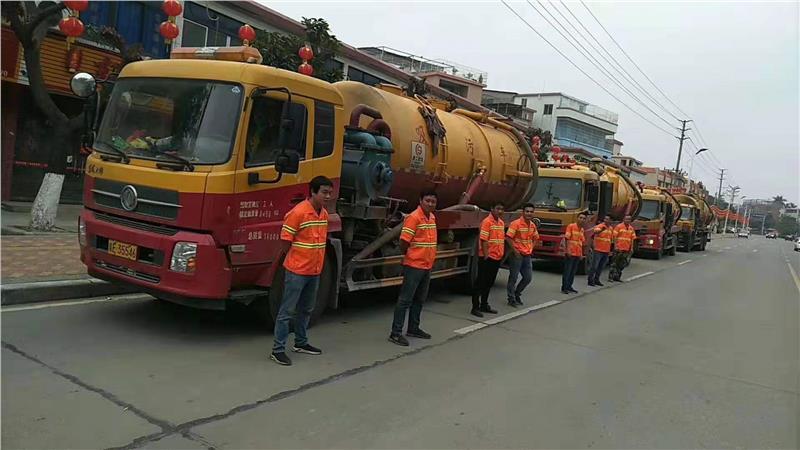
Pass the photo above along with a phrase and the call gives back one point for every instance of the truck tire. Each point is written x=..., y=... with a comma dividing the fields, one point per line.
x=690, y=243
x=659, y=254
x=703, y=243
x=673, y=250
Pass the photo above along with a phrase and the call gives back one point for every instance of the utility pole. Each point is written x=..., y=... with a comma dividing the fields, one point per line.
x=680, y=146
x=719, y=192
x=734, y=191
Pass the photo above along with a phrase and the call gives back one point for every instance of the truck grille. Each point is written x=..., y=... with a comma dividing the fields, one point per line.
x=159, y=229
x=122, y=270
x=550, y=227
x=154, y=202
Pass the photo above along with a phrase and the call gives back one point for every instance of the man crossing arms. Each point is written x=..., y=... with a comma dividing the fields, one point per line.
x=418, y=244
x=490, y=252
x=303, y=236
x=624, y=237
x=603, y=237
x=575, y=241
x=521, y=237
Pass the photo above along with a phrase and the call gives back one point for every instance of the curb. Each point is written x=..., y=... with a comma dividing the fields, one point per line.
x=45, y=291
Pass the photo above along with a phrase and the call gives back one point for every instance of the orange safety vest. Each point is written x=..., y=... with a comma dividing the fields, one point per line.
x=492, y=231
x=603, y=236
x=523, y=234
x=420, y=233
x=308, y=232
x=624, y=236
x=575, y=240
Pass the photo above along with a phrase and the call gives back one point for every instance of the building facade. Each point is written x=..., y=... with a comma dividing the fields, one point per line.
x=502, y=102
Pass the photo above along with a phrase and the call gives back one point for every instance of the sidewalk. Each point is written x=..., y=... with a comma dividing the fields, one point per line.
x=38, y=267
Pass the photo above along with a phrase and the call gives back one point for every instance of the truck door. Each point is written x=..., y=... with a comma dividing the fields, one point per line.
x=260, y=208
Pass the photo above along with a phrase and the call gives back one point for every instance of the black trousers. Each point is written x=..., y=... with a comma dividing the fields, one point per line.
x=570, y=268
x=487, y=273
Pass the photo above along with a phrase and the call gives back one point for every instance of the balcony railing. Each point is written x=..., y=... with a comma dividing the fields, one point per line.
x=589, y=110
x=599, y=151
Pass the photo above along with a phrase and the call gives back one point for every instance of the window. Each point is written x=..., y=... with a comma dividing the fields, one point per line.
x=136, y=22
x=457, y=89
x=354, y=74
x=323, y=129
x=263, y=131
x=524, y=102
x=194, y=35
x=548, y=109
x=208, y=28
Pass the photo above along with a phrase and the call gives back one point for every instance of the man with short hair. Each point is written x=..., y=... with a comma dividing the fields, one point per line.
x=491, y=248
x=575, y=241
x=601, y=243
x=521, y=238
x=624, y=237
x=418, y=243
x=303, y=239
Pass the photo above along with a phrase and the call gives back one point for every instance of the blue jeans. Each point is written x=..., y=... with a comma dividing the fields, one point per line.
x=299, y=298
x=570, y=268
x=517, y=265
x=412, y=294
x=599, y=261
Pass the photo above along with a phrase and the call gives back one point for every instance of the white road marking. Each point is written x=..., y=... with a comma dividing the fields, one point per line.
x=684, y=262
x=794, y=275
x=504, y=317
x=727, y=248
x=9, y=309
x=636, y=277
x=755, y=250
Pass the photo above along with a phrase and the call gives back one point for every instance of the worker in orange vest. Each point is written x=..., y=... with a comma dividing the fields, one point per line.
x=491, y=249
x=303, y=238
x=575, y=241
x=521, y=238
x=601, y=243
x=624, y=237
x=418, y=244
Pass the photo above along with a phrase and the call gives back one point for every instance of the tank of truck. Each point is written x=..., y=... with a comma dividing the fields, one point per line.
x=473, y=147
x=626, y=199
x=706, y=214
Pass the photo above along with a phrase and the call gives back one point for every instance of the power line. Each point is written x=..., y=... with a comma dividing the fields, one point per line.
x=616, y=65
x=589, y=56
x=582, y=71
x=632, y=61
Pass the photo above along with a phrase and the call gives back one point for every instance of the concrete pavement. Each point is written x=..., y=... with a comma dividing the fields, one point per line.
x=700, y=350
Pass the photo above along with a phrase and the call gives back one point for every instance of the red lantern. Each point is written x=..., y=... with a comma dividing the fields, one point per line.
x=77, y=5
x=305, y=53
x=71, y=26
x=172, y=8
x=247, y=34
x=306, y=69
x=169, y=30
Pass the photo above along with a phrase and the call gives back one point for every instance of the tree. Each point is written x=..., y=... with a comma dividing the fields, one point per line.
x=788, y=225
x=778, y=200
x=30, y=22
x=280, y=50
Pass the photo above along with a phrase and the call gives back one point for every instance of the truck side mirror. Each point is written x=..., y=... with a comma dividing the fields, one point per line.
x=606, y=198
x=288, y=162
x=592, y=197
x=83, y=85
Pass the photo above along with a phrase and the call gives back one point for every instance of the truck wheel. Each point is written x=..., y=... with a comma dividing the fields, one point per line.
x=690, y=244
x=659, y=254
x=673, y=250
x=704, y=243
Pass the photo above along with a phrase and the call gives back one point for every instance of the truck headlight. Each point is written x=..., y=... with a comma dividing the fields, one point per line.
x=651, y=241
x=184, y=257
x=81, y=232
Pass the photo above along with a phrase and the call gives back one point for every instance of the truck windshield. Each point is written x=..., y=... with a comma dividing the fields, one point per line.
x=687, y=212
x=161, y=119
x=558, y=192
x=650, y=210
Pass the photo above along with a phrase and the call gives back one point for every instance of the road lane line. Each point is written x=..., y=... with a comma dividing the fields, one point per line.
x=794, y=275
x=636, y=277
x=727, y=248
x=471, y=328
x=755, y=250
x=505, y=317
x=684, y=262
x=8, y=309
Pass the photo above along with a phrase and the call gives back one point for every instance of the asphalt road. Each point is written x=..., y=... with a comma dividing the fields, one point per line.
x=696, y=350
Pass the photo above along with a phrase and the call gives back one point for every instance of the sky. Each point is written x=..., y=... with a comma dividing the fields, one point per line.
x=731, y=66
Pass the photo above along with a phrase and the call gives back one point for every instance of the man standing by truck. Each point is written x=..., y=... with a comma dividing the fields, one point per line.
x=601, y=243
x=575, y=241
x=624, y=237
x=521, y=237
x=303, y=237
x=491, y=249
x=418, y=244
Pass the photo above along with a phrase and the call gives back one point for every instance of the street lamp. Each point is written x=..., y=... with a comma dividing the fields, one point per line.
x=691, y=162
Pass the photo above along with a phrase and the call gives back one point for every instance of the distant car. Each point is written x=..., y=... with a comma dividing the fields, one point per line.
x=797, y=245
x=743, y=234
x=772, y=235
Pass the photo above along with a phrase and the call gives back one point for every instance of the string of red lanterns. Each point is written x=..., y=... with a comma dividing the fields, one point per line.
x=71, y=25
x=168, y=29
x=247, y=34
x=306, y=54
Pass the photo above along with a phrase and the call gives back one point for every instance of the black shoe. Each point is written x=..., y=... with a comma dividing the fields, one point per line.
x=573, y=291
x=418, y=333
x=281, y=358
x=564, y=291
x=398, y=339
x=592, y=283
x=488, y=309
x=308, y=349
x=476, y=313
x=512, y=303
x=518, y=300
x=599, y=283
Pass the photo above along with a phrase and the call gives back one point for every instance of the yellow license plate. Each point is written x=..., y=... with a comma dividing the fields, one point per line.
x=123, y=250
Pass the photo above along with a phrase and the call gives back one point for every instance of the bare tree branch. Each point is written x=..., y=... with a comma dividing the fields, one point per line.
x=20, y=29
